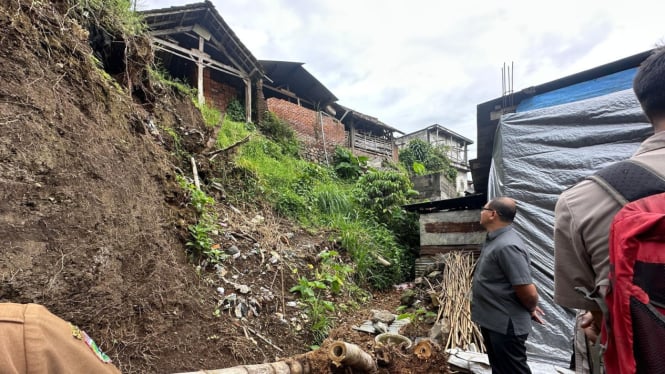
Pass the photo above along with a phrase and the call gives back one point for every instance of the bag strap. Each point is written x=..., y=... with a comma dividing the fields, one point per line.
x=629, y=180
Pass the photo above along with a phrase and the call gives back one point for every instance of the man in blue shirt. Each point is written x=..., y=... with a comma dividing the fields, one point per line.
x=504, y=299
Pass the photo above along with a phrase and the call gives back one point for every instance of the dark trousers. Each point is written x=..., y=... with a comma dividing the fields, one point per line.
x=507, y=352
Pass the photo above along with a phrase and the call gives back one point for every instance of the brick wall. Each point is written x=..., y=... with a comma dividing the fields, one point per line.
x=305, y=123
x=217, y=94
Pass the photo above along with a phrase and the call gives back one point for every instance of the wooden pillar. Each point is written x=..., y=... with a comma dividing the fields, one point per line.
x=352, y=135
x=199, y=85
x=248, y=99
x=261, y=104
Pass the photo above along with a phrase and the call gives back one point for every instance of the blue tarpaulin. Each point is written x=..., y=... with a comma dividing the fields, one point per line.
x=619, y=81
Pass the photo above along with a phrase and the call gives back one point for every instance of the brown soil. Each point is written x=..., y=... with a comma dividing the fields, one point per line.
x=93, y=224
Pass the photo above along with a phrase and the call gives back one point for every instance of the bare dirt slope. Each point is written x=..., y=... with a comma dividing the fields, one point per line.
x=93, y=224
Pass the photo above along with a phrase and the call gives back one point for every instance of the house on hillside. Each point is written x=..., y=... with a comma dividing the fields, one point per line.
x=437, y=186
x=196, y=45
x=531, y=146
x=297, y=97
x=366, y=135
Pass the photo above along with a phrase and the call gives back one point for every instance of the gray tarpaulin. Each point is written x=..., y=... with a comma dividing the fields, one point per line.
x=539, y=153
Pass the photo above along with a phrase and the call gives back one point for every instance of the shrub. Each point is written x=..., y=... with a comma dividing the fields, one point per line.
x=347, y=165
x=420, y=157
x=235, y=111
x=281, y=132
x=383, y=192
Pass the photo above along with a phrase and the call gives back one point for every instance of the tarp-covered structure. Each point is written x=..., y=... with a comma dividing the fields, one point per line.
x=552, y=140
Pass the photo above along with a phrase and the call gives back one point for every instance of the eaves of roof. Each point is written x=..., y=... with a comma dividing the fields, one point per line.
x=475, y=201
x=178, y=19
x=442, y=129
x=343, y=111
x=293, y=77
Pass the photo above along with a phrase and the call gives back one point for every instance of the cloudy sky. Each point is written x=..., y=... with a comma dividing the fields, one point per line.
x=415, y=63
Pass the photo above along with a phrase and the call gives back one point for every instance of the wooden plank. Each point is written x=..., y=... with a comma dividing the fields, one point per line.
x=195, y=55
x=449, y=227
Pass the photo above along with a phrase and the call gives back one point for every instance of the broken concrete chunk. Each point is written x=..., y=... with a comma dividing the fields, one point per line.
x=382, y=316
x=398, y=324
x=367, y=327
x=380, y=327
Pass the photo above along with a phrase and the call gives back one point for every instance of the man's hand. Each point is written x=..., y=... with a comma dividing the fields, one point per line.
x=590, y=323
x=536, y=315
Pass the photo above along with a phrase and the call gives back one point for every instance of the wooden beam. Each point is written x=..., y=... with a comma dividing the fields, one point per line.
x=194, y=55
x=448, y=227
x=226, y=53
x=289, y=94
x=175, y=30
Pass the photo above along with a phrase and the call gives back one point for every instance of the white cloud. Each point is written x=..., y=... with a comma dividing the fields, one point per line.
x=415, y=63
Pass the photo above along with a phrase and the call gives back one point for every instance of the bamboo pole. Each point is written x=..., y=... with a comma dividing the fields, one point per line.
x=280, y=367
x=455, y=303
x=342, y=353
x=195, y=173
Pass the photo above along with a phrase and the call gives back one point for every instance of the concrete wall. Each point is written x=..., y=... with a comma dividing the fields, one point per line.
x=448, y=231
x=434, y=187
x=461, y=182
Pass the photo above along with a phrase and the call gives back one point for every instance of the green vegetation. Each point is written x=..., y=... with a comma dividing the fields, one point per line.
x=348, y=165
x=235, y=111
x=202, y=248
x=115, y=17
x=160, y=75
x=359, y=206
x=331, y=278
x=281, y=133
x=417, y=316
x=211, y=116
x=232, y=132
x=420, y=158
x=362, y=213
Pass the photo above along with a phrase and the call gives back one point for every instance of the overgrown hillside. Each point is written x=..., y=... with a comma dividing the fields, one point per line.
x=99, y=213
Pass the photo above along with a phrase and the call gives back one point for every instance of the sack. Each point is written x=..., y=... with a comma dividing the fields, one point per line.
x=633, y=329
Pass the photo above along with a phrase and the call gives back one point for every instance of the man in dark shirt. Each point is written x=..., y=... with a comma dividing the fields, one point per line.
x=504, y=298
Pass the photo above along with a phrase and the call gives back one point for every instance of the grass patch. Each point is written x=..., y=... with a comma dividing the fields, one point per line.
x=231, y=133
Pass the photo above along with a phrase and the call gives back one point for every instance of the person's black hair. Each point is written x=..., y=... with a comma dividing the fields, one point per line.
x=505, y=210
x=649, y=84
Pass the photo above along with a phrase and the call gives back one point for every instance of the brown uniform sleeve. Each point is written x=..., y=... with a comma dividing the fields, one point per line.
x=40, y=342
x=571, y=269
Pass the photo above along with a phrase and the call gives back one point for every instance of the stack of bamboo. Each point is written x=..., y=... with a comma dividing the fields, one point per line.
x=455, y=302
